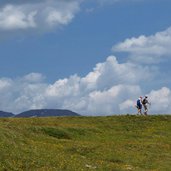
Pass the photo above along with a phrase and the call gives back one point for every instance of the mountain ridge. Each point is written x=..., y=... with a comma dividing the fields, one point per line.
x=40, y=113
x=6, y=114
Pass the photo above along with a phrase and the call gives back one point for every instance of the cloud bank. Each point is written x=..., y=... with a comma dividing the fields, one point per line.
x=110, y=88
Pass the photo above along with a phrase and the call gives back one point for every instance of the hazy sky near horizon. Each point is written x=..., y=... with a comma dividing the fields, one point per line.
x=95, y=57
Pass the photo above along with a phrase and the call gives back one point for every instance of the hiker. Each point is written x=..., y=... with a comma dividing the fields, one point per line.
x=139, y=105
x=145, y=104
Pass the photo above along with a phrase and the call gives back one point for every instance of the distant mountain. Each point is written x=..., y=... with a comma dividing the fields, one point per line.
x=6, y=114
x=47, y=113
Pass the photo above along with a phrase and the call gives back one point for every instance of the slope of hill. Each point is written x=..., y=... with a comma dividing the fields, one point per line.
x=5, y=114
x=86, y=143
x=47, y=113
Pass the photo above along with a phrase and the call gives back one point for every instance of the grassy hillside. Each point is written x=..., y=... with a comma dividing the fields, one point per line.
x=113, y=143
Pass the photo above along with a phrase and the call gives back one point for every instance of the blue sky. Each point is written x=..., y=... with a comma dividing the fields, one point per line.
x=81, y=54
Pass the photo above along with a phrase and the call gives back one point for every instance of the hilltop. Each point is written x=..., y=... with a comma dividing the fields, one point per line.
x=40, y=113
x=47, y=113
x=86, y=143
x=6, y=114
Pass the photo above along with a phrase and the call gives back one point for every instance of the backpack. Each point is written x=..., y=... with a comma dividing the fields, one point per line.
x=144, y=101
x=138, y=102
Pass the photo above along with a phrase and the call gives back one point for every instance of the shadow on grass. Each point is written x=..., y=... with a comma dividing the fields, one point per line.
x=56, y=133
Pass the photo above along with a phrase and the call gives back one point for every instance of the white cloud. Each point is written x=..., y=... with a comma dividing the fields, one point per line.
x=109, y=101
x=111, y=88
x=21, y=93
x=161, y=100
x=14, y=18
x=55, y=17
x=126, y=105
x=4, y=83
x=34, y=77
x=113, y=72
x=42, y=15
x=147, y=49
x=88, y=95
x=38, y=15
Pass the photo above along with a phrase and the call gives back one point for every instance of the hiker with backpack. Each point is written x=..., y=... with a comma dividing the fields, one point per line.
x=145, y=104
x=139, y=105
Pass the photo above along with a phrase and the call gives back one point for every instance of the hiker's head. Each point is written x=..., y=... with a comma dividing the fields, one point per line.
x=146, y=96
x=140, y=97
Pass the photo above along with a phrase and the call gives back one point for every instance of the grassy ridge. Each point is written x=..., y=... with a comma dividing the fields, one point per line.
x=86, y=143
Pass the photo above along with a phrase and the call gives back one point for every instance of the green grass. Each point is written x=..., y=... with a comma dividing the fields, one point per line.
x=113, y=143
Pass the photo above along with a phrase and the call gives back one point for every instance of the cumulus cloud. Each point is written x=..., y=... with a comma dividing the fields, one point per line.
x=37, y=15
x=4, y=84
x=41, y=15
x=160, y=100
x=20, y=93
x=147, y=49
x=14, y=18
x=34, y=77
x=110, y=88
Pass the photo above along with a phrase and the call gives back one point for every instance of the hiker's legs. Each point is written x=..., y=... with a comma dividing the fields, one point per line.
x=145, y=109
x=139, y=109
